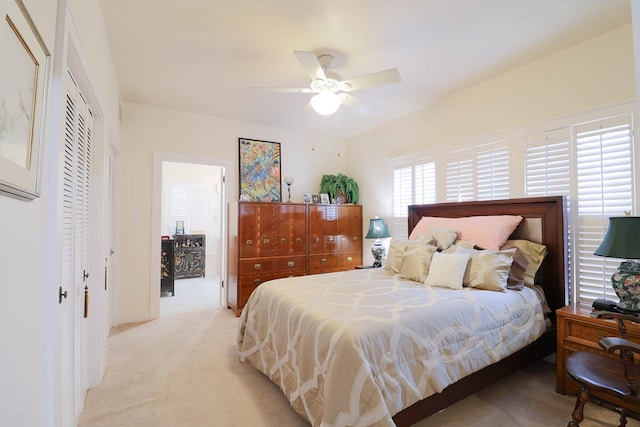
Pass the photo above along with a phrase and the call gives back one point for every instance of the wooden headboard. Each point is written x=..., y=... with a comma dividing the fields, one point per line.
x=544, y=222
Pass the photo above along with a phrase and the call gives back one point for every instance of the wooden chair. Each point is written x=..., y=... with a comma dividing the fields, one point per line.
x=613, y=379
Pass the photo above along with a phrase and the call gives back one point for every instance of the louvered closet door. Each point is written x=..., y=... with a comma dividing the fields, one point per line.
x=78, y=137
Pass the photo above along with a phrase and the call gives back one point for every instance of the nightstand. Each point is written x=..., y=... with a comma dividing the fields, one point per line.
x=578, y=331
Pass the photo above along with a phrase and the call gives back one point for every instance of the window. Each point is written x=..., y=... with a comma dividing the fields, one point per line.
x=412, y=184
x=591, y=163
x=481, y=173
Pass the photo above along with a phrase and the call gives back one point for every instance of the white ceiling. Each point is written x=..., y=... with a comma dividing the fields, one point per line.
x=204, y=56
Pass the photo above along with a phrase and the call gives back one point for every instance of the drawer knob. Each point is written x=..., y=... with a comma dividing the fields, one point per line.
x=291, y=263
x=316, y=239
x=248, y=242
x=257, y=266
x=257, y=282
x=355, y=237
x=298, y=239
x=349, y=259
x=266, y=241
x=330, y=238
x=283, y=240
x=323, y=260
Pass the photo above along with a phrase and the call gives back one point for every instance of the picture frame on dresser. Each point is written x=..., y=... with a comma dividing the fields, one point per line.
x=260, y=170
x=23, y=90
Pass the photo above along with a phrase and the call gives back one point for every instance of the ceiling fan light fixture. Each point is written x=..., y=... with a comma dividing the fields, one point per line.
x=325, y=103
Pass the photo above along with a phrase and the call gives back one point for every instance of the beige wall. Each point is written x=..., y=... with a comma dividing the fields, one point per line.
x=145, y=130
x=593, y=74
x=29, y=264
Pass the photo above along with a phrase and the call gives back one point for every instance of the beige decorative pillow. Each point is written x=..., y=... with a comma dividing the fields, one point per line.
x=416, y=261
x=533, y=252
x=487, y=269
x=447, y=270
x=393, y=262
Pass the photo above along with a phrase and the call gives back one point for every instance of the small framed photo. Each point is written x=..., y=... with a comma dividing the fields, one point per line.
x=315, y=198
x=306, y=197
x=324, y=198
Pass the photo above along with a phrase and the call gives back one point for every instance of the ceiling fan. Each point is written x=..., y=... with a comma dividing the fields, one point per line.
x=331, y=91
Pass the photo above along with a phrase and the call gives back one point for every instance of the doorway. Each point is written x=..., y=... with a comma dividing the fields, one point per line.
x=189, y=198
x=190, y=217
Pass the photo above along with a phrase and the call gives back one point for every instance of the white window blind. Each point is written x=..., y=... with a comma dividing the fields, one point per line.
x=479, y=174
x=492, y=166
x=460, y=175
x=412, y=184
x=592, y=164
x=604, y=188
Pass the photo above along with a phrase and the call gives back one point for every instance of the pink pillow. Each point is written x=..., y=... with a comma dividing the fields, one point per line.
x=487, y=232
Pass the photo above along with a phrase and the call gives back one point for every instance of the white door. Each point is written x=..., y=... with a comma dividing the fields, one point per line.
x=78, y=137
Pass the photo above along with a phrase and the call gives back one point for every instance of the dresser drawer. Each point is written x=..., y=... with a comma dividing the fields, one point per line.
x=349, y=260
x=289, y=264
x=323, y=261
x=256, y=265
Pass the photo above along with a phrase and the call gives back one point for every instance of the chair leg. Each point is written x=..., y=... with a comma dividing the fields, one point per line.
x=623, y=418
x=577, y=415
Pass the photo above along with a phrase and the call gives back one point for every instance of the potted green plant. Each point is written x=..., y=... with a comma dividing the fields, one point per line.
x=340, y=185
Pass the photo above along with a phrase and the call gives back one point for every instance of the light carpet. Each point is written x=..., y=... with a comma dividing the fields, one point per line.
x=183, y=370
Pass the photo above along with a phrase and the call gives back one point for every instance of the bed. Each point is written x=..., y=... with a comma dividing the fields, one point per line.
x=354, y=348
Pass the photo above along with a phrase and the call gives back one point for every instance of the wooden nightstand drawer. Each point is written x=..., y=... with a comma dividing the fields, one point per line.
x=578, y=331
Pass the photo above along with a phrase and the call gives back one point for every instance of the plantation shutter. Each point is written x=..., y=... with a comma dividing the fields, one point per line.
x=460, y=175
x=604, y=188
x=492, y=166
x=425, y=179
x=412, y=184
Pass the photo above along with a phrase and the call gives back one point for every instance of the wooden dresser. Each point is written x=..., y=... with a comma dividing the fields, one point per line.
x=273, y=240
x=578, y=331
x=335, y=238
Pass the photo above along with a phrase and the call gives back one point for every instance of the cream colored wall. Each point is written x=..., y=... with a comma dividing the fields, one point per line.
x=29, y=323
x=593, y=74
x=146, y=129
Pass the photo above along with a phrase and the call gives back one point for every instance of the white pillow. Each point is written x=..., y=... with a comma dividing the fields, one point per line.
x=416, y=261
x=447, y=270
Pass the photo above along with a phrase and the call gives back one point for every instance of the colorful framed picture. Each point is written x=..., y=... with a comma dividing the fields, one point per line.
x=23, y=81
x=260, y=167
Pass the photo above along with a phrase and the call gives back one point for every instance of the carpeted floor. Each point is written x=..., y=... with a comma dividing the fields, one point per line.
x=182, y=370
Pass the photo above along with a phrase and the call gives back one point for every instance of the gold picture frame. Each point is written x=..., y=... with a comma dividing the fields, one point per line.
x=23, y=90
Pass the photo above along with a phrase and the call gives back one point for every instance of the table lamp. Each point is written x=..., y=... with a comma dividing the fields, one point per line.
x=622, y=240
x=377, y=230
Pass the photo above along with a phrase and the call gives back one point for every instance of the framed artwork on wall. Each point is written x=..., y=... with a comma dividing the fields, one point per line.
x=23, y=81
x=260, y=168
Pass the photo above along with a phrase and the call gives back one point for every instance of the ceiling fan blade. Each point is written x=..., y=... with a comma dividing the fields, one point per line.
x=285, y=89
x=309, y=61
x=380, y=78
x=358, y=104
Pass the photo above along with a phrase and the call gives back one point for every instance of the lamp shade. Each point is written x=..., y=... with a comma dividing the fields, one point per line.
x=325, y=103
x=622, y=239
x=377, y=229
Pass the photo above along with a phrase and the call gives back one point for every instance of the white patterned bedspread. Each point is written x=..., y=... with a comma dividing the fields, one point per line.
x=356, y=347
